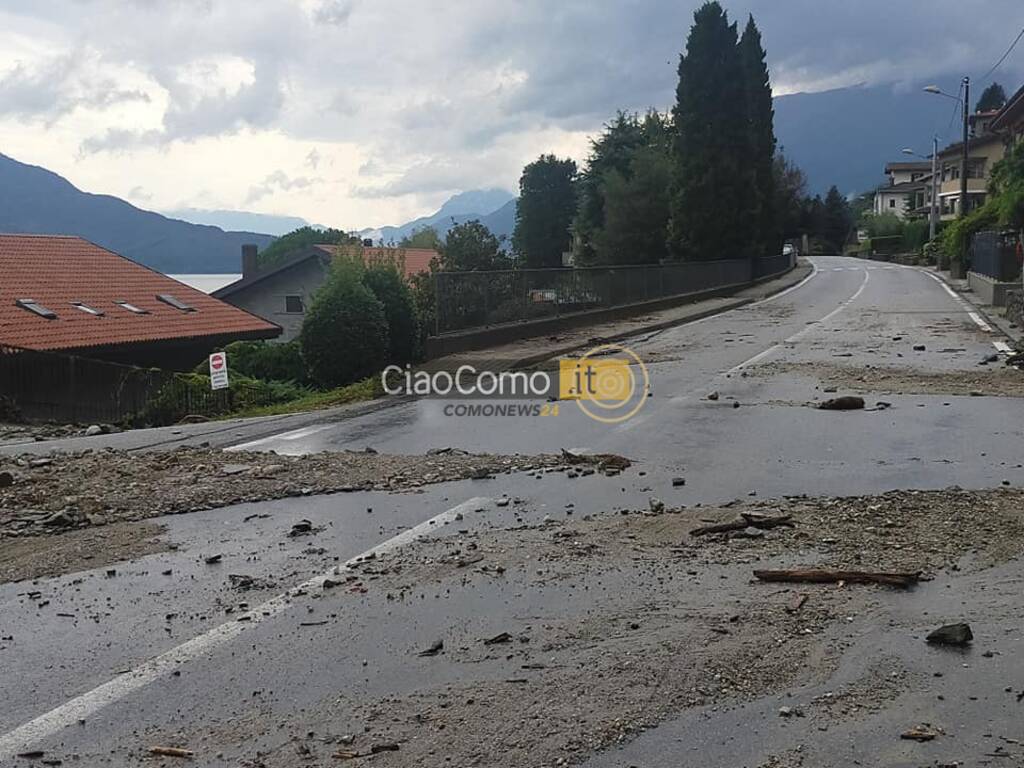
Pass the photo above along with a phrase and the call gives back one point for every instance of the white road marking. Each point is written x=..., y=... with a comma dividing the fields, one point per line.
x=1002, y=346
x=87, y=704
x=979, y=322
x=799, y=334
x=975, y=316
x=295, y=434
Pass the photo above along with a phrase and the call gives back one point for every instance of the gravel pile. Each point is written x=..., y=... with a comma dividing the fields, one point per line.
x=53, y=494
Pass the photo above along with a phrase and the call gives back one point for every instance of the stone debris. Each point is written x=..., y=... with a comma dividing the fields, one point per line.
x=952, y=634
x=61, y=492
x=844, y=403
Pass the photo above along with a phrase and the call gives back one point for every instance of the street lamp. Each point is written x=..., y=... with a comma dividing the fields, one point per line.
x=933, y=209
x=934, y=89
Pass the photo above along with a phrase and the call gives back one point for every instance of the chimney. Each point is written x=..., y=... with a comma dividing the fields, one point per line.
x=249, y=264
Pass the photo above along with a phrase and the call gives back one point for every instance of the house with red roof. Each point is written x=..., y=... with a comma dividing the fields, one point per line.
x=282, y=293
x=68, y=295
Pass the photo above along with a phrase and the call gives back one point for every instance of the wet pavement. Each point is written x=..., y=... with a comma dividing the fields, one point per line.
x=62, y=639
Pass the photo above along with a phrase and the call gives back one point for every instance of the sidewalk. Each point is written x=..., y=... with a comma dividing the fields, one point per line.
x=527, y=352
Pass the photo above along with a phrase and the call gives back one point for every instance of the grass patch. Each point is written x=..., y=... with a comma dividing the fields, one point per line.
x=367, y=389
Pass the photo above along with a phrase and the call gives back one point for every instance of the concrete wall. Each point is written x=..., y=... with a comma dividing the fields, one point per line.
x=990, y=291
x=266, y=298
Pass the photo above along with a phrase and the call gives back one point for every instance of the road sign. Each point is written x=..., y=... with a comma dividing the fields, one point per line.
x=218, y=370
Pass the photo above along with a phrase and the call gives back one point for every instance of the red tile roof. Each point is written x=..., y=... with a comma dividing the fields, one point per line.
x=414, y=260
x=56, y=271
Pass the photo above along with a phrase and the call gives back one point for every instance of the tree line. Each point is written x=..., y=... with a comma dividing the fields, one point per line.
x=703, y=181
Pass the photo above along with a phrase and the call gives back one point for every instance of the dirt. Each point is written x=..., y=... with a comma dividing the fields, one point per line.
x=655, y=622
x=993, y=380
x=39, y=557
x=42, y=496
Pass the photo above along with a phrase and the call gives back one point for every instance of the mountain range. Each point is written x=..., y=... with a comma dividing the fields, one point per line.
x=494, y=208
x=35, y=200
x=842, y=137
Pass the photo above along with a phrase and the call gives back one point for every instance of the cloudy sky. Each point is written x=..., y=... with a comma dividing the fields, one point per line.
x=358, y=113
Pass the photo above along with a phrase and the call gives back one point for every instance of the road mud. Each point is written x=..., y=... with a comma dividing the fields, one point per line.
x=43, y=496
x=601, y=628
x=994, y=380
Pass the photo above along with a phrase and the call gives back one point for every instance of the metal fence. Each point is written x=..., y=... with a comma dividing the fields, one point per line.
x=466, y=300
x=48, y=386
x=994, y=254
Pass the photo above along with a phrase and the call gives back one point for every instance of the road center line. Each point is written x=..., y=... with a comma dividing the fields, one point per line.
x=799, y=334
x=81, y=707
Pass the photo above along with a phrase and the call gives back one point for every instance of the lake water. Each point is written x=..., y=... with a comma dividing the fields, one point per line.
x=206, y=283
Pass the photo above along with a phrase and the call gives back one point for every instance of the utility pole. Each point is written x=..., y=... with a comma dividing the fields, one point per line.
x=933, y=214
x=963, y=151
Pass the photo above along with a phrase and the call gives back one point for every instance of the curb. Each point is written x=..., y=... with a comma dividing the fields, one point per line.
x=997, y=322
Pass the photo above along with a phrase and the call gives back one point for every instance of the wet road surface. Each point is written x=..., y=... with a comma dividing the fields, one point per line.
x=81, y=654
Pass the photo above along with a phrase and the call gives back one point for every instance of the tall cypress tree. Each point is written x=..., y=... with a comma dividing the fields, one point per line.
x=714, y=181
x=767, y=238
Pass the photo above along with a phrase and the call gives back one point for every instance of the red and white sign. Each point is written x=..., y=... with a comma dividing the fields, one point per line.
x=218, y=370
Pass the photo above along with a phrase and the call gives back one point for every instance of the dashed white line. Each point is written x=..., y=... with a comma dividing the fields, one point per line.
x=799, y=334
x=81, y=707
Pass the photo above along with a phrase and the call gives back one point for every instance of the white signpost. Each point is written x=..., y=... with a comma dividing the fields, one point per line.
x=218, y=370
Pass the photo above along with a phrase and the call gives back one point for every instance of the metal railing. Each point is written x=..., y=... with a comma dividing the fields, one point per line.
x=994, y=254
x=468, y=300
x=49, y=386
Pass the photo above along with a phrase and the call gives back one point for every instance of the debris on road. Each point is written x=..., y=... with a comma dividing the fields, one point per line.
x=433, y=650
x=919, y=733
x=817, y=576
x=747, y=520
x=844, y=403
x=503, y=637
x=952, y=634
x=54, y=494
x=171, y=752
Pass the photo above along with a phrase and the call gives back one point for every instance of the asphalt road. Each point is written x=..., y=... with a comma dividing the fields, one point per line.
x=112, y=664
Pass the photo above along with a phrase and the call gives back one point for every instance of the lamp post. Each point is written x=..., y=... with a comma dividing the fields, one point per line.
x=933, y=211
x=963, y=147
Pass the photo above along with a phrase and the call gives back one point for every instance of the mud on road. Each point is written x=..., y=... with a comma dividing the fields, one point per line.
x=57, y=508
x=598, y=629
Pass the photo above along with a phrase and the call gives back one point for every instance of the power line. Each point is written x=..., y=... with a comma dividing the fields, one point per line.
x=1002, y=59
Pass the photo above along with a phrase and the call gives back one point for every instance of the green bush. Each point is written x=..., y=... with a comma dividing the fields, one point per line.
x=344, y=337
x=915, y=235
x=189, y=394
x=391, y=290
x=956, y=238
x=262, y=360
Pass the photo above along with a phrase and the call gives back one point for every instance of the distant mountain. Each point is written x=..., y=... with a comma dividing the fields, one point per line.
x=243, y=221
x=36, y=201
x=846, y=136
x=490, y=206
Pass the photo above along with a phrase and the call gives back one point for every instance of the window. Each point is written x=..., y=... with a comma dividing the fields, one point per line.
x=132, y=308
x=166, y=298
x=32, y=306
x=87, y=309
x=293, y=305
x=892, y=202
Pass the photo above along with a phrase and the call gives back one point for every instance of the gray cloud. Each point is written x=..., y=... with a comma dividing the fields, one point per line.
x=442, y=95
x=56, y=87
x=334, y=12
x=278, y=180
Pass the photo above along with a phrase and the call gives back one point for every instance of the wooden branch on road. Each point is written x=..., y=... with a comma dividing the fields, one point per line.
x=817, y=576
x=745, y=521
